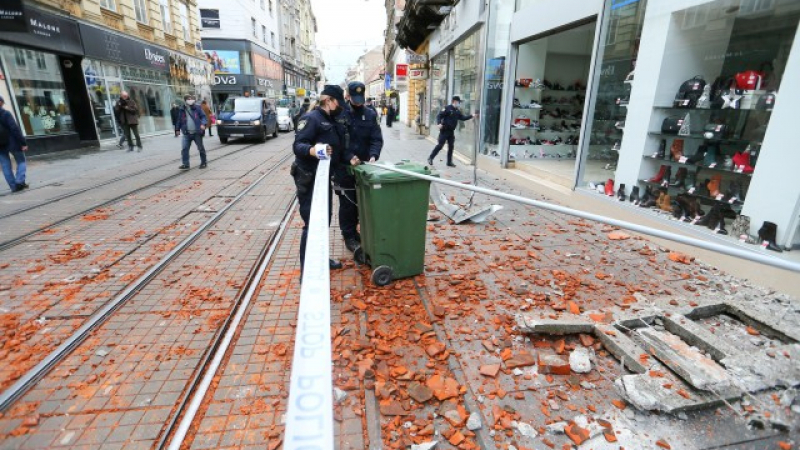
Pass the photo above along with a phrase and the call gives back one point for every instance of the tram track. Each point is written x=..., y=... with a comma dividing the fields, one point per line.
x=101, y=316
x=5, y=245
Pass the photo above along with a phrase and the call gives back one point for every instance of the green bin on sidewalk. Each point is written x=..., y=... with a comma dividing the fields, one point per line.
x=393, y=212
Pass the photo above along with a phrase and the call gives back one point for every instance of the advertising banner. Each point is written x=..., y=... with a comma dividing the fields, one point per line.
x=224, y=61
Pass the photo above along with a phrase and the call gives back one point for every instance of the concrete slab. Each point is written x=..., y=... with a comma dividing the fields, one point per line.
x=700, y=371
x=565, y=324
x=698, y=336
x=651, y=394
x=764, y=322
x=621, y=346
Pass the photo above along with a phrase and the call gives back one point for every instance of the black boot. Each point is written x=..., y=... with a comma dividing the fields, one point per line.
x=698, y=156
x=635, y=195
x=621, y=192
x=680, y=178
x=667, y=177
x=709, y=217
x=662, y=149
x=721, y=226
x=769, y=233
x=646, y=197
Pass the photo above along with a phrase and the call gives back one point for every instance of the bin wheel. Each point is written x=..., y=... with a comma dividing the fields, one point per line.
x=359, y=257
x=382, y=276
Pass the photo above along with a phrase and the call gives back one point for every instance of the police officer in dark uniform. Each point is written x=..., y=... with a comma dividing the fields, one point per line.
x=447, y=120
x=365, y=144
x=318, y=126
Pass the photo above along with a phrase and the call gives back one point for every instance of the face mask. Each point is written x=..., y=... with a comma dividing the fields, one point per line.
x=358, y=107
x=190, y=102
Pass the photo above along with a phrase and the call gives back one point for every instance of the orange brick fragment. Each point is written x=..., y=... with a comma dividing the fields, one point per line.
x=619, y=404
x=577, y=434
x=610, y=436
x=784, y=445
x=683, y=393
x=752, y=331
x=663, y=444
x=573, y=308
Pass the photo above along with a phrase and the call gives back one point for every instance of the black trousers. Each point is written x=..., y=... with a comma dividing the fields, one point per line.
x=448, y=137
x=305, y=199
x=348, y=203
x=127, y=129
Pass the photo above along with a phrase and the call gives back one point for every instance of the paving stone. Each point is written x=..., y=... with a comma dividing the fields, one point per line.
x=700, y=371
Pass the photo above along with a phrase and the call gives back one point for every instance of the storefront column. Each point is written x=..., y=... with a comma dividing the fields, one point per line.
x=774, y=193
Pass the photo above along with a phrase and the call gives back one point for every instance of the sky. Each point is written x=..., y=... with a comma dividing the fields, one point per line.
x=346, y=29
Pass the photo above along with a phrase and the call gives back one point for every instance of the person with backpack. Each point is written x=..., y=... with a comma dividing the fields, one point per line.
x=447, y=120
x=127, y=112
x=192, y=123
x=12, y=142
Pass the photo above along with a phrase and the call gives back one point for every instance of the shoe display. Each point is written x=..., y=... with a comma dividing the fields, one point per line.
x=768, y=233
x=741, y=162
x=667, y=177
x=662, y=149
x=647, y=197
x=621, y=193
x=714, y=185
x=712, y=152
x=610, y=187
x=657, y=178
x=698, y=156
x=634, y=198
x=680, y=178
x=665, y=201
x=676, y=150
x=517, y=104
x=534, y=105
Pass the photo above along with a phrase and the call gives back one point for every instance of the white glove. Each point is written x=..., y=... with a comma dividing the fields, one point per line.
x=322, y=151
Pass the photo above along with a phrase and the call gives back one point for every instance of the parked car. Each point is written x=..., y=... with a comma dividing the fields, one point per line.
x=249, y=117
x=285, y=119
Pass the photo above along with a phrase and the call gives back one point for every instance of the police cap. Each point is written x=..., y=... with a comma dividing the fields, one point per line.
x=356, y=90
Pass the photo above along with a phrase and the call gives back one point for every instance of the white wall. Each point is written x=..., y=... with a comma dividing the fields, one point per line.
x=544, y=15
x=235, y=15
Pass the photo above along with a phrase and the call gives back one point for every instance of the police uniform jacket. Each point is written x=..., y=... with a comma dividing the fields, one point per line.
x=449, y=118
x=366, y=140
x=316, y=127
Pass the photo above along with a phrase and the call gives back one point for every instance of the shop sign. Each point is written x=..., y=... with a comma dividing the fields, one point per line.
x=209, y=18
x=108, y=46
x=388, y=81
x=229, y=80
x=46, y=31
x=264, y=82
x=291, y=91
x=401, y=72
x=12, y=17
x=414, y=58
x=462, y=18
x=418, y=74
x=301, y=92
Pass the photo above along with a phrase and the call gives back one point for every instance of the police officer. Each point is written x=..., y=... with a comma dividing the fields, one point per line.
x=447, y=120
x=365, y=144
x=318, y=126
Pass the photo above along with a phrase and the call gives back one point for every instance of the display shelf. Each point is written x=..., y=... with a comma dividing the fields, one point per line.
x=699, y=137
x=527, y=109
x=673, y=108
x=682, y=190
x=713, y=169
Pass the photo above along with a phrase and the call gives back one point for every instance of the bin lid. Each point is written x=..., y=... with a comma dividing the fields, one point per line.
x=375, y=174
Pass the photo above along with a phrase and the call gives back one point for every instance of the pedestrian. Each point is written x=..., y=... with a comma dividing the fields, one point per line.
x=447, y=119
x=304, y=108
x=390, y=115
x=128, y=112
x=365, y=144
x=318, y=126
x=12, y=142
x=192, y=123
x=120, y=128
x=209, y=116
x=174, y=112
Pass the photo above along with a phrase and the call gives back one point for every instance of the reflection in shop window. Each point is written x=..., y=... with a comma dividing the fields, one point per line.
x=40, y=96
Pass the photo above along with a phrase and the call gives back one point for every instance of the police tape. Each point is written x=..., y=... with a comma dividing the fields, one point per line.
x=706, y=245
x=309, y=416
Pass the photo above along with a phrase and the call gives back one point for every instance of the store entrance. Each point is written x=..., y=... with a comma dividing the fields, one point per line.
x=549, y=97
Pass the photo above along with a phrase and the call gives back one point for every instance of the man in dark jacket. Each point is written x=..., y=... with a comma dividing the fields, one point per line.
x=390, y=115
x=127, y=112
x=304, y=108
x=12, y=142
x=365, y=144
x=447, y=120
x=192, y=123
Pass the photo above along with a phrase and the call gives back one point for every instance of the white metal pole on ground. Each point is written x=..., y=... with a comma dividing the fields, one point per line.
x=719, y=248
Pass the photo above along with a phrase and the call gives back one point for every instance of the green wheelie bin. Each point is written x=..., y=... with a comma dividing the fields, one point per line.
x=393, y=212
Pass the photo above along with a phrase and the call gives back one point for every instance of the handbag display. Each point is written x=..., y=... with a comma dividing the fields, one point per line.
x=749, y=80
x=766, y=102
x=690, y=92
x=672, y=125
x=686, y=127
x=721, y=86
x=714, y=131
x=741, y=227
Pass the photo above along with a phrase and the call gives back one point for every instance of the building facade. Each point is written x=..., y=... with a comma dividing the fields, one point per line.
x=241, y=40
x=301, y=58
x=64, y=65
x=559, y=87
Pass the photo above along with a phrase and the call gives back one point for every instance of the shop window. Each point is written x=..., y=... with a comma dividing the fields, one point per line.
x=110, y=5
x=263, y=34
x=438, y=87
x=549, y=96
x=40, y=94
x=465, y=85
x=140, y=9
x=254, y=26
x=19, y=57
x=165, y=15
x=182, y=9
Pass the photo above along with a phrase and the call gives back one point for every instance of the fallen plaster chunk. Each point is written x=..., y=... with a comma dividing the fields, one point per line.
x=565, y=324
x=424, y=445
x=621, y=346
x=647, y=393
x=474, y=421
x=525, y=429
x=580, y=360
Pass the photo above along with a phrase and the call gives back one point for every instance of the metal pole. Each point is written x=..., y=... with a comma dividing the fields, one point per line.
x=719, y=248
